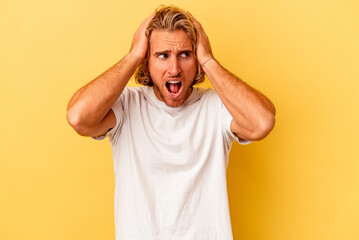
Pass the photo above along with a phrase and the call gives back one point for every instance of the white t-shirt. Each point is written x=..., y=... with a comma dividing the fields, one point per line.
x=170, y=167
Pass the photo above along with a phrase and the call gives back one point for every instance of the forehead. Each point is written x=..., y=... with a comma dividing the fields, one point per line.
x=170, y=40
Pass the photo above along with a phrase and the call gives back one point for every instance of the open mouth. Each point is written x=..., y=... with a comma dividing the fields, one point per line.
x=174, y=87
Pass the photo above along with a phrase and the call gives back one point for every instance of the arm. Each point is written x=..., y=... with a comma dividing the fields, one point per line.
x=88, y=111
x=253, y=113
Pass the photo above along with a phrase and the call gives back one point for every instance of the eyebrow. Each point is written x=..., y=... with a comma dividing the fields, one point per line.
x=168, y=51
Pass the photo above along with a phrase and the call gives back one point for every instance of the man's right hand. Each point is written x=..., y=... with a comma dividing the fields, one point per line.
x=140, y=42
x=89, y=110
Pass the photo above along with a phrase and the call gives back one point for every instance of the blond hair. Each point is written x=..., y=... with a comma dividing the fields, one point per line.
x=168, y=18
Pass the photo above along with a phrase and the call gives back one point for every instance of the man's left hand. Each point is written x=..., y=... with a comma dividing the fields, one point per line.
x=204, y=51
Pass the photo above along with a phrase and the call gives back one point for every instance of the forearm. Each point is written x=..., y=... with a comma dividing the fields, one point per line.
x=252, y=112
x=90, y=104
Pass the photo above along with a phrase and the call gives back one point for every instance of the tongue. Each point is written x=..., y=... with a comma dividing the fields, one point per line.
x=174, y=88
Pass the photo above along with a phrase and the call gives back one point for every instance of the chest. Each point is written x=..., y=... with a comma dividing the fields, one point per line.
x=175, y=138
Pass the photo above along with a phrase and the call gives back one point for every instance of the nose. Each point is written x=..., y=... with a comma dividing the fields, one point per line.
x=174, y=67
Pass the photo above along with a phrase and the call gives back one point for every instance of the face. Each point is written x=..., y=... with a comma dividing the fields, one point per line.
x=172, y=66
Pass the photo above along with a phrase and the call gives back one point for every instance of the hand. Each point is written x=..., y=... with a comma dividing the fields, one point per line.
x=204, y=51
x=140, y=42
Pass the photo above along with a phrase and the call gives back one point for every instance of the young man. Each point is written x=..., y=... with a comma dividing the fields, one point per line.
x=170, y=141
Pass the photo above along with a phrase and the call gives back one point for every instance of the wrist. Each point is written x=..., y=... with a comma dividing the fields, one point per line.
x=135, y=58
x=206, y=61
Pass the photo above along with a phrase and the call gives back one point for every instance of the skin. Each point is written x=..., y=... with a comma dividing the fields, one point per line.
x=172, y=59
x=253, y=113
x=89, y=110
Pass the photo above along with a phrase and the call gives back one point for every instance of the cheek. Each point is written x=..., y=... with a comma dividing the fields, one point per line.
x=157, y=72
x=190, y=68
x=156, y=67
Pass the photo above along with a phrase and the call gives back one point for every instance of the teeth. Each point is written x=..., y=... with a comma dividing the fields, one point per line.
x=173, y=81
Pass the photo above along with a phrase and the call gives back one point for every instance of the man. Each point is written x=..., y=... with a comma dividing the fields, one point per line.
x=170, y=141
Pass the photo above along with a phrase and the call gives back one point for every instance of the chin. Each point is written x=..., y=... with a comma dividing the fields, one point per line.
x=177, y=101
x=171, y=99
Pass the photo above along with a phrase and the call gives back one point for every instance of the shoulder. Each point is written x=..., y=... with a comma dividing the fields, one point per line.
x=207, y=94
x=205, y=99
x=203, y=93
x=132, y=93
x=133, y=90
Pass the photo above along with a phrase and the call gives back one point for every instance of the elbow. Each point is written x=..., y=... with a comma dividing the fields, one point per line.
x=267, y=122
x=76, y=122
x=264, y=127
x=267, y=127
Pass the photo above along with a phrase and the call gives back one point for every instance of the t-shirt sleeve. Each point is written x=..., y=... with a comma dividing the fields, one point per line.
x=117, y=109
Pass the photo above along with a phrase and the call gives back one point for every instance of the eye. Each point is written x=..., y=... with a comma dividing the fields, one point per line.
x=164, y=55
x=184, y=54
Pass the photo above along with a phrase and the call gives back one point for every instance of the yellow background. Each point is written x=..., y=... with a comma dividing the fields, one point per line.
x=301, y=182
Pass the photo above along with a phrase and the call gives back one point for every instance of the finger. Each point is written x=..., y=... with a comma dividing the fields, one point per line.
x=197, y=24
x=194, y=20
x=147, y=20
x=191, y=16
